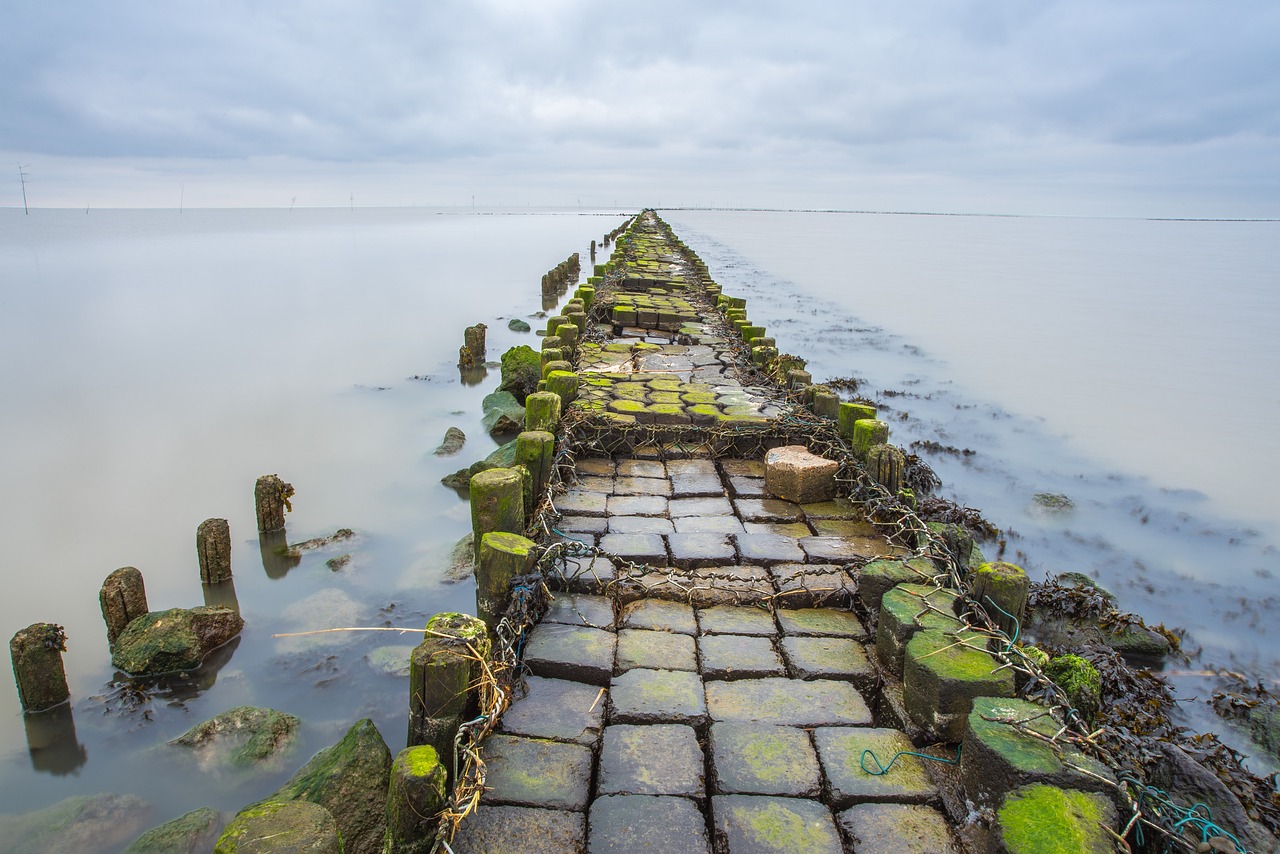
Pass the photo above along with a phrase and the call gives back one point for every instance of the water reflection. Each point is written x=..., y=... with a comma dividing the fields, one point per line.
x=276, y=559
x=473, y=376
x=221, y=594
x=52, y=741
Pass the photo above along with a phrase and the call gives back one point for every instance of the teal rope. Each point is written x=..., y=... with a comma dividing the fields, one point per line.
x=1196, y=817
x=560, y=533
x=884, y=769
x=1017, y=627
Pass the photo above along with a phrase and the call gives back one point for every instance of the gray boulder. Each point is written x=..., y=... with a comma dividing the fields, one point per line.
x=86, y=824
x=173, y=640
x=243, y=737
x=192, y=833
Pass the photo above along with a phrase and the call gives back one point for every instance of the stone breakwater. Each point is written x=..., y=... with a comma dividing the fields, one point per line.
x=737, y=634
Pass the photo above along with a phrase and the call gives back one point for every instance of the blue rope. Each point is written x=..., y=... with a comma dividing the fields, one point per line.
x=1017, y=627
x=884, y=769
x=1197, y=817
x=560, y=533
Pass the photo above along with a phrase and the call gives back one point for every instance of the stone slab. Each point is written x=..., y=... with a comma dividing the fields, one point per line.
x=659, y=616
x=747, y=487
x=583, y=524
x=581, y=502
x=838, y=508
x=756, y=759
x=738, y=657
x=521, y=830
x=794, y=530
x=637, y=505
x=641, y=468
x=638, y=548
x=803, y=585
x=581, y=610
x=622, y=824
x=597, y=466
x=752, y=824
x=657, y=696
x=554, y=708
x=689, y=551
x=830, y=622
x=640, y=525
x=843, y=528
x=766, y=510
x=574, y=653
x=736, y=620
x=841, y=751
x=844, y=659
x=705, y=506
x=708, y=525
x=901, y=828
x=655, y=650
x=536, y=772
x=641, y=486
x=787, y=702
x=660, y=759
x=846, y=549
x=768, y=549
x=584, y=574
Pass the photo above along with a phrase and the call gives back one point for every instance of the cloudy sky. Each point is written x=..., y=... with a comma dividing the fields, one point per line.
x=1113, y=107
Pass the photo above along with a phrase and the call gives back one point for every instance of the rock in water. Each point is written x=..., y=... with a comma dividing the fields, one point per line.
x=86, y=824
x=454, y=439
x=242, y=737
x=462, y=564
x=518, y=325
x=350, y=780
x=521, y=371
x=192, y=833
x=289, y=827
x=503, y=457
x=502, y=413
x=174, y=640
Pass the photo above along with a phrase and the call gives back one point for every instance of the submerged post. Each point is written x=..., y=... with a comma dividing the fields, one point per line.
x=503, y=557
x=472, y=351
x=123, y=598
x=497, y=503
x=213, y=547
x=271, y=499
x=36, y=652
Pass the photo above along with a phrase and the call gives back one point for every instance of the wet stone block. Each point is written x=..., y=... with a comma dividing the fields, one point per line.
x=641, y=486
x=901, y=828
x=575, y=653
x=521, y=830
x=583, y=524
x=641, y=468
x=637, y=505
x=755, y=759
x=662, y=759
x=657, y=696
x=787, y=702
x=689, y=551
x=583, y=574
x=536, y=772
x=828, y=658
x=588, y=483
x=701, y=507
x=747, y=487
x=794, y=474
x=580, y=502
x=941, y=678
x=811, y=585
x=738, y=657
x=907, y=609
x=622, y=824
x=791, y=530
x=707, y=525
x=821, y=621
x=554, y=708
x=650, y=650
x=843, y=528
x=742, y=468
x=837, y=508
x=648, y=549
x=767, y=510
x=879, y=576
x=598, y=466
x=751, y=824
x=736, y=620
x=659, y=616
x=840, y=750
x=581, y=610
x=768, y=549
x=845, y=549
x=640, y=525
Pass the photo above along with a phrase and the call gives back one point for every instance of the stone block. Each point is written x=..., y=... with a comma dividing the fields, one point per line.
x=641, y=486
x=941, y=678
x=587, y=574
x=900, y=828
x=794, y=474
x=656, y=697
x=736, y=620
x=582, y=502
x=536, y=772
x=622, y=824
x=846, y=549
x=830, y=622
x=575, y=653
x=654, y=650
x=768, y=549
x=704, y=506
x=638, y=548
x=637, y=505
x=812, y=585
x=878, y=576
x=659, y=616
x=738, y=657
x=581, y=610
x=640, y=525
x=742, y=468
x=751, y=824
x=554, y=708
x=767, y=510
x=707, y=525
x=842, y=753
x=787, y=702
x=828, y=658
x=747, y=487
x=907, y=609
x=661, y=759
x=840, y=509
x=756, y=759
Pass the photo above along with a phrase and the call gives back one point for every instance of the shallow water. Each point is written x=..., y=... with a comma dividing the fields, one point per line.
x=1127, y=364
x=154, y=364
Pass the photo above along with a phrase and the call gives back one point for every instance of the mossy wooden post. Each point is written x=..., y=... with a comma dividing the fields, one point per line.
x=213, y=548
x=555, y=365
x=1006, y=585
x=552, y=342
x=415, y=797
x=123, y=597
x=502, y=557
x=568, y=335
x=475, y=344
x=565, y=384
x=887, y=464
x=442, y=674
x=554, y=322
x=497, y=503
x=542, y=412
x=852, y=413
x=552, y=354
x=535, y=450
x=588, y=295
x=36, y=652
x=826, y=404
x=867, y=433
x=271, y=499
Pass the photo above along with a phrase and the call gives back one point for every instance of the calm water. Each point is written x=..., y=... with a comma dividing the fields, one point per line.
x=154, y=364
x=1127, y=364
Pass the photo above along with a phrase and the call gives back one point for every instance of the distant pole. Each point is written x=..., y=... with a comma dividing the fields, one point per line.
x=182, y=197
x=353, y=202
x=22, y=176
x=292, y=202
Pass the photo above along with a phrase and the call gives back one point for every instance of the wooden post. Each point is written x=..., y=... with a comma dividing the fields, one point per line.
x=542, y=411
x=868, y=432
x=123, y=598
x=852, y=413
x=415, y=798
x=826, y=404
x=565, y=384
x=271, y=499
x=1006, y=585
x=474, y=338
x=443, y=670
x=887, y=465
x=497, y=503
x=213, y=547
x=36, y=652
x=535, y=450
x=502, y=558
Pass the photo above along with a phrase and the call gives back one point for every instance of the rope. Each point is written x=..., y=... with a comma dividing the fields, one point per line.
x=884, y=769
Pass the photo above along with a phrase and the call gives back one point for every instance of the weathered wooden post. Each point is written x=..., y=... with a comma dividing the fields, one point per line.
x=414, y=799
x=542, y=411
x=1005, y=585
x=867, y=433
x=568, y=335
x=826, y=404
x=497, y=503
x=472, y=351
x=564, y=384
x=271, y=499
x=36, y=652
x=887, y=465
x=535, y=450
x=852, y=413
x=123, y=597
x=443, y=670
x=503, y=557
x=213, y=547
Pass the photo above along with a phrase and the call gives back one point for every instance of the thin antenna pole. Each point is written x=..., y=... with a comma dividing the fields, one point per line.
x=353, y=202
x=182, y=197
x=22, y=176
x=292, y=202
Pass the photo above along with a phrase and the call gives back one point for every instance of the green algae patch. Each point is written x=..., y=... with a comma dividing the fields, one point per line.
x=521, y=370
x=1041, y=819
x=195, y=831
x=282, y=826
x=1080, y=679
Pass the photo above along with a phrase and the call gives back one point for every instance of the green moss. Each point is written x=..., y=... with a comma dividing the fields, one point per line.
x=1079, y=678
x=521, y=370
x=191, y=832
x=776, y=828
x=665, y=397
x=1024, y=753
x=951, y=659
x=1046, y=820
x=627, y=407
x=422, y=760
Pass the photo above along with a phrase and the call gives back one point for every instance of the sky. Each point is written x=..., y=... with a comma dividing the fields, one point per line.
x=1083, y=107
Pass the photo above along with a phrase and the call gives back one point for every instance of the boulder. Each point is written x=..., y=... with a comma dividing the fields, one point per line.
x=173, y=640
x=521, y=370
x=290, y=827
x=192, y=833
x=85, y=824
x=243, y=737
x=502, y=413
x=518, y=325
x=349, y=779
x=453, y=441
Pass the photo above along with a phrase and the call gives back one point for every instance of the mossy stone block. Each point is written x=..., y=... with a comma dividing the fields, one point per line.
x=867, y=433
x=787, y=702
x=1043, y=819
x=900, y=828
x=1002, y=589
x=849, y=414
x=750, y=824
x=843, y=754
x=660, y=759
x=536, y=772
x=879, y=576
x=756, y=759
x=905, y=610
x=941, y=676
